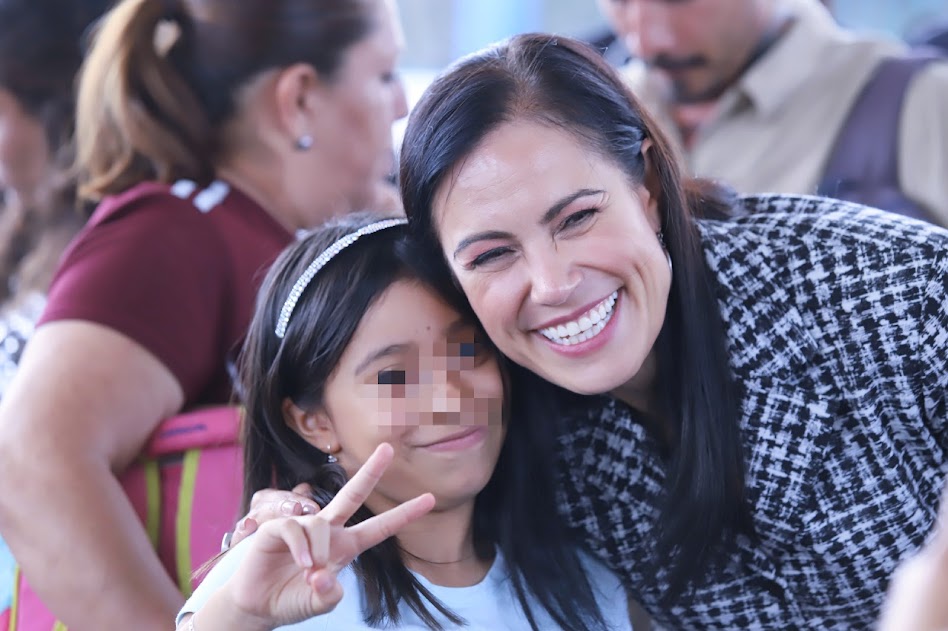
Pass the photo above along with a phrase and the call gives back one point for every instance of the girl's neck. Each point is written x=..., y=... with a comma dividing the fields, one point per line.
x=440, y=547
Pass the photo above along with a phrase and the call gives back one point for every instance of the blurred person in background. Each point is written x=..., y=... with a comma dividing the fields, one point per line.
x=756, y=93
x=211, y=131
x=41, y=49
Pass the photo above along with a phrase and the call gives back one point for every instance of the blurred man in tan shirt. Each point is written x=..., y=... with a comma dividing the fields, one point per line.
x=756, y=91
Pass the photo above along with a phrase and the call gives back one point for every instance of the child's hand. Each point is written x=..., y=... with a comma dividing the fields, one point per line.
x=289, y=574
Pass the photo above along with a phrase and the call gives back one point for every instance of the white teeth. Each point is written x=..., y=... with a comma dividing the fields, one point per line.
x=586, y=327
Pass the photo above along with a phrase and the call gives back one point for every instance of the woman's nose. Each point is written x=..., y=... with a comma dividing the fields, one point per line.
x=401, y=101
x=553, y=281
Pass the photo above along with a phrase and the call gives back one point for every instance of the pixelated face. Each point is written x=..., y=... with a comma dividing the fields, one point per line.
x=24, y=149
x=701, y=46
x=416, y=375
x=558, y=255
x=362, y=102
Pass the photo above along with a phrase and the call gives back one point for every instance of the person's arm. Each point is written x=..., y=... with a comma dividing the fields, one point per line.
x=80, y=409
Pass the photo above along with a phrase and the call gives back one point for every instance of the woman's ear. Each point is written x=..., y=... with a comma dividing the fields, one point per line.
x=651, y=189
x=315, y=427
x=297, y=92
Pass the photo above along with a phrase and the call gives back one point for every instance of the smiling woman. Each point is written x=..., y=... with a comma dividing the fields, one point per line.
x=753, y=389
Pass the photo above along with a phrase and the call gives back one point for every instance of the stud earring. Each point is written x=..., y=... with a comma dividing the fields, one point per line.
x=661, y=242
x=304, y=143
x=330, y=458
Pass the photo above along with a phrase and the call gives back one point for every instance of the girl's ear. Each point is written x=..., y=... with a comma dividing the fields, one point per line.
x=315, y=427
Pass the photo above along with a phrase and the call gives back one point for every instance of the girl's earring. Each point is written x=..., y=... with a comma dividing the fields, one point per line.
x=304, y=143
x=330, y=458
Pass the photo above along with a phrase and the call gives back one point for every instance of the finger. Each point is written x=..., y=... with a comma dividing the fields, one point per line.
x=267, y=504
x=374, y=531
x=304, y=490
x=318, y=531
x=295, y=537
x=326, y=587
x=245, y=527
x=351, y=496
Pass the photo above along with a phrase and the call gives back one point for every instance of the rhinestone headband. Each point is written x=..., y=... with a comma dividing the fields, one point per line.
x=320, y=262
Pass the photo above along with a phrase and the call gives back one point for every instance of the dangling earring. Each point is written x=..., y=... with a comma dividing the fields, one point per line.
x=661, y=242
x=304, y=143
x=331, y=459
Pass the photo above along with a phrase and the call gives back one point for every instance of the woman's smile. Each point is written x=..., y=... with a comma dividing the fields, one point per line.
x=587, y=326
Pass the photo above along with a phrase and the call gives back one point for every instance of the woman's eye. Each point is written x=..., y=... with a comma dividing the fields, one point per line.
x=490, y=256
x=578, y=218
x=392, y=378
x=389, y=77
x=468, y=349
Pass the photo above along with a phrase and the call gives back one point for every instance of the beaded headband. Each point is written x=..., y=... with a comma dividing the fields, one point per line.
x=320, y=262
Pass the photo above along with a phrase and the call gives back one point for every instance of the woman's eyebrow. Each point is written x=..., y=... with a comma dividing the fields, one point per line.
x=548, y=216
x=563, y=202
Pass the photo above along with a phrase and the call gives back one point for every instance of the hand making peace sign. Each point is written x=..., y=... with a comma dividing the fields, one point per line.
x=289, y=573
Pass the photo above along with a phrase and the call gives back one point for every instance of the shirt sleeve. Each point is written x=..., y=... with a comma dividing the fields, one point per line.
x=923, y=144
x=155, y=272
x=215, y=579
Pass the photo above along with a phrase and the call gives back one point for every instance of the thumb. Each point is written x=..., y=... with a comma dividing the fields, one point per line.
x=327, y=591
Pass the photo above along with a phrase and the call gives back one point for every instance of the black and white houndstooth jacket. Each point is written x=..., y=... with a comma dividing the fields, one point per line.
x=837, y=325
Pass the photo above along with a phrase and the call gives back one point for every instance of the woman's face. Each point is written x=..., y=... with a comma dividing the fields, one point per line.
x=558, y=254
x=358, y=108
x=415, y=376
x=24, y=150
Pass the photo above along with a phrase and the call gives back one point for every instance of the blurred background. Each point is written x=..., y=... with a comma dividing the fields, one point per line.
x=439, y=31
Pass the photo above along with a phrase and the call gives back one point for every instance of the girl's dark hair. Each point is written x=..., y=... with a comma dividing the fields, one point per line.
x=41, y=50
x=150, y=113
x=516, y=511
x=562, y=83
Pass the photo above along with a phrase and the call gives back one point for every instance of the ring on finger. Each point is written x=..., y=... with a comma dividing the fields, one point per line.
x=225, y=542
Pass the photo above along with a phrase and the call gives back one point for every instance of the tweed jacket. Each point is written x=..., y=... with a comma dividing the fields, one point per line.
x=837, y=330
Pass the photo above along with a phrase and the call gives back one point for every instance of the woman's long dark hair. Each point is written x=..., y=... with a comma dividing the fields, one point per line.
x=515, y=512
x=561, y=82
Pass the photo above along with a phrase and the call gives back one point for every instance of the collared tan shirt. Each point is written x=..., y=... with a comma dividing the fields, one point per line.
x=773, y=131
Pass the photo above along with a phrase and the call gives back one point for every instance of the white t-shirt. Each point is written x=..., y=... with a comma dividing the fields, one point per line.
x=491, y=605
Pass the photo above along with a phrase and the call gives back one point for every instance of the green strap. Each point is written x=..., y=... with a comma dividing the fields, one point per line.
x=14, y=607
x=189, y=471
x=152, y=500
